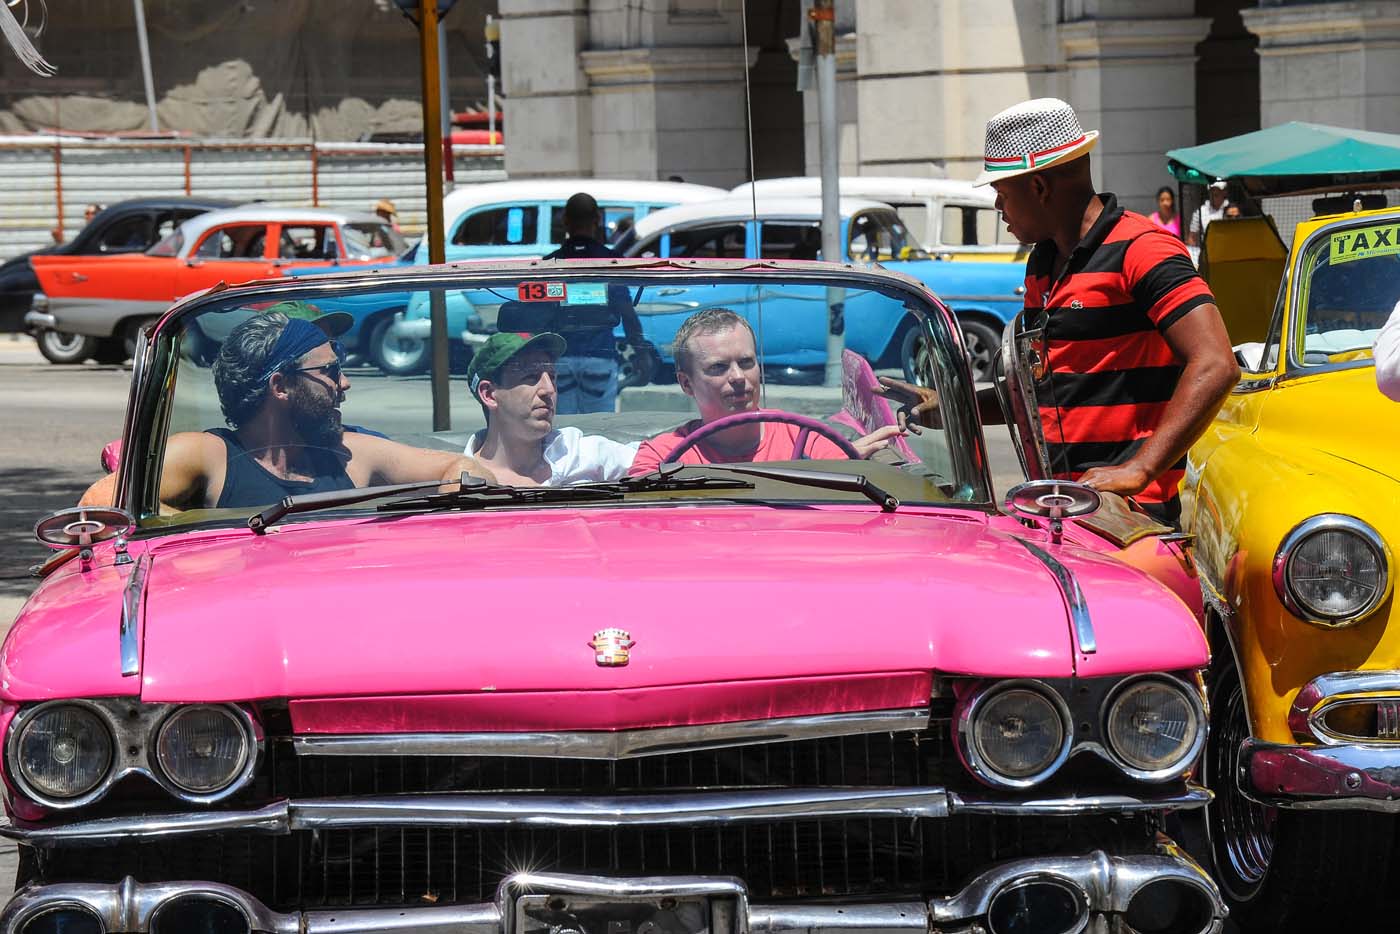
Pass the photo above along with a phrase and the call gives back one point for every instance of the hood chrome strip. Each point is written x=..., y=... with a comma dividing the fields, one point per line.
x=1074, y=597
x=622, y=744
x=131, y=615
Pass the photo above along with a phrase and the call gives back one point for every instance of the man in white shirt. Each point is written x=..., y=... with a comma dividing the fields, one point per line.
x=514, y=380
x=1212, y=210
x=1387, y=354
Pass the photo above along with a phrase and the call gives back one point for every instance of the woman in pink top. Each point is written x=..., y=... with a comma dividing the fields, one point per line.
x=1165, y=216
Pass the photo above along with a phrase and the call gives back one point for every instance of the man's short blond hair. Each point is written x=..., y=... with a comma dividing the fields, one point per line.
x=708, y=321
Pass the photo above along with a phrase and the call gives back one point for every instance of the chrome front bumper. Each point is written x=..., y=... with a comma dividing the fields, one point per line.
x=1352, y=776
x=1101, y=893
x=564, y=811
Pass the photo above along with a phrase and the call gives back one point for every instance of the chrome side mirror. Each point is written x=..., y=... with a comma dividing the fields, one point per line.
x=1053, y=500
x=83, y=527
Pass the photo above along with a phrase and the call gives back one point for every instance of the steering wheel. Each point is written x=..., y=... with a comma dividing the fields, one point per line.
x=808, y=425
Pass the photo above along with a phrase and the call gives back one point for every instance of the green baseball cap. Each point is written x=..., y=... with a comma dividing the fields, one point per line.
x=498, y=350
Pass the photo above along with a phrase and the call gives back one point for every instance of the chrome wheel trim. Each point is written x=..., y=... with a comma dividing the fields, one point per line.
x=1242, y=832
x=62, y=342
x=979, y=354
x=399, y=354
x=914, y=355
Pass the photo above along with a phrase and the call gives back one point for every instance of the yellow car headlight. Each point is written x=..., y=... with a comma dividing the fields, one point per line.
x=1332, y=570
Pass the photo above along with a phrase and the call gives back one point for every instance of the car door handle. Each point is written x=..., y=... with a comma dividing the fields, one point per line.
x=79, y=277
x=1019, y=290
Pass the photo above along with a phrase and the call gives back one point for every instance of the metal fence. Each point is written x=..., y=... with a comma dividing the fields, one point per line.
x=46, y=181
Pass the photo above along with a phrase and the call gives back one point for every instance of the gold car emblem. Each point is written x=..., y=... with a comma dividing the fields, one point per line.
x=611, y=646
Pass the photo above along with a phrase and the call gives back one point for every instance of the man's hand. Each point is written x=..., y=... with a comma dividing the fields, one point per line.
x=877, y=440
x=918, y=405
x=1125, y=479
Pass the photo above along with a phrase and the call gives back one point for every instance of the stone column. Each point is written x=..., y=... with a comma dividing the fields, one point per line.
x=1132, y=76
x=1336, y=63
x=546, y=105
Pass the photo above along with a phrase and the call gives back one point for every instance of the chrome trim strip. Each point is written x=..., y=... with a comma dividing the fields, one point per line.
x=1324, y=522
x=701, y=808
x=1074, y=597
x=1307, y=714
x=131, y=615
x=1105, y=883
x=1246, y=386
x=1355, y=776
x=623, y=744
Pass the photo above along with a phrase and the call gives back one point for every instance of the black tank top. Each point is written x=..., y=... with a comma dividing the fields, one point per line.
x=248, y=483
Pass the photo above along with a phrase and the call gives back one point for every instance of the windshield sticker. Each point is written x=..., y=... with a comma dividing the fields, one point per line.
x=541, y=292
x=587, y=293
x=1363, y=244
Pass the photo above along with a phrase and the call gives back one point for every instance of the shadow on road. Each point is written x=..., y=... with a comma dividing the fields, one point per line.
x=27, y=494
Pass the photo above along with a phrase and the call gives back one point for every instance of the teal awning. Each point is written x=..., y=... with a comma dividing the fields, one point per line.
x=1294, y=157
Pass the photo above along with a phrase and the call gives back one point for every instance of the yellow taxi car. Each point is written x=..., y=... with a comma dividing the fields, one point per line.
x=1292, y=497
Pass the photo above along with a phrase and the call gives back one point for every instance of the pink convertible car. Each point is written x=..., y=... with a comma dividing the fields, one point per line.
x=293, y=682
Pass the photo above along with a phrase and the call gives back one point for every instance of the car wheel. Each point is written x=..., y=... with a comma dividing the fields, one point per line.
x=64, y=348
x=982, y=343
x=1283, y=870
x=396, y=356
x=913, y=353
x=636, y=366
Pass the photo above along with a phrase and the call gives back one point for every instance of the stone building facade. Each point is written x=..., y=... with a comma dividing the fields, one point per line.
x=651, y=89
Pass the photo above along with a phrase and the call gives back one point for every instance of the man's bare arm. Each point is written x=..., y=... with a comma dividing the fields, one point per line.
x=1199, y=339
x=386, y=461
x=184, y=477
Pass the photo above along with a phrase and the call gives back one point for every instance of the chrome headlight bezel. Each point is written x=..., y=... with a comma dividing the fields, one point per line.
x=1288, y=550
x=966, y=724
x=23, y=720
x=133, y=728
x=1192, y=750
x=246, y=764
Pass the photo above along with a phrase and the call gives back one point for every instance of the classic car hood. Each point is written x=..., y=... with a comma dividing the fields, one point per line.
x=992, y=281
x=1307, y=411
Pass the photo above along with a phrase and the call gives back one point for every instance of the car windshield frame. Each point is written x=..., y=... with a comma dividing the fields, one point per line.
x=1301, y=273
x=152, y=403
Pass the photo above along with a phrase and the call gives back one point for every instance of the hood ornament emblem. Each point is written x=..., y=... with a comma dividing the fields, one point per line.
x=611, y=647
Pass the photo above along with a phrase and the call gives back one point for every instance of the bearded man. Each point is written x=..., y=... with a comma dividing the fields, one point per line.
x=280, y=383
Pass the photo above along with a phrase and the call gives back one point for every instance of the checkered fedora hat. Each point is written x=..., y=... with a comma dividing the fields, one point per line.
x=1032, y=136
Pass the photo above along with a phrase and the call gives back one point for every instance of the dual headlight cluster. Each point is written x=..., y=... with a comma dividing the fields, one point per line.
x=66, y=753
x=1017, y=734
x=1332, y=570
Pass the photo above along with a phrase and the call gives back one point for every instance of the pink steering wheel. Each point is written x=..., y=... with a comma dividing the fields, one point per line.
x=808, y=425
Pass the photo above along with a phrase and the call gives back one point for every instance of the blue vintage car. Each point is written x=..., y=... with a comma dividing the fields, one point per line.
x=985, y=295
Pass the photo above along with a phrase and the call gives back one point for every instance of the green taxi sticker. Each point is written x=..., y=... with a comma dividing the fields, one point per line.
x=1383, y=240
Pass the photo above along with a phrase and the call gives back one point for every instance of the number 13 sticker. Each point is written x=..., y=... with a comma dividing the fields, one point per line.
x=541, y=292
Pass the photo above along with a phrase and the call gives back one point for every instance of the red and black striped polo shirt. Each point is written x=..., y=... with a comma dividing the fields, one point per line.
x=1109, y=373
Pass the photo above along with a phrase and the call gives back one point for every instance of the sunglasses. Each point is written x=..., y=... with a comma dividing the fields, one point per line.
x=334, y=369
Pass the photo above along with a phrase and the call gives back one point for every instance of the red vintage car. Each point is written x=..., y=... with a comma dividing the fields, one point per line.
x=104, y=300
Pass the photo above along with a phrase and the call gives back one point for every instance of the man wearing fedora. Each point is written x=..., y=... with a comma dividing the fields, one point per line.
x=1133, y=359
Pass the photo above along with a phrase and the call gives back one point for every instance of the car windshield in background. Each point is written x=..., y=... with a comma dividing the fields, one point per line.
x=1350, y=285
x=371, y=241
x=880, y=236
x=634, y=372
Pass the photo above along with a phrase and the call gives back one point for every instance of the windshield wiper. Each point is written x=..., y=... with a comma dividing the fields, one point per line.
x=478, y=494
x=310, y=502
x=823, y=479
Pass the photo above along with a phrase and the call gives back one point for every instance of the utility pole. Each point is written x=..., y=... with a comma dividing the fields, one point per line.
x=448, y=166
x=145, y=46
x=493, y=71
x=823, y=16
x=432, y=158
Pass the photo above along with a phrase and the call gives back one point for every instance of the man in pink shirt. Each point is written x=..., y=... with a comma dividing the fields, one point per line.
x=717, y=366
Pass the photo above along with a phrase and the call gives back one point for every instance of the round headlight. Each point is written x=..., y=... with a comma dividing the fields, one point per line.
x=1018, y=734
x=1154, y=727
x=64, y=751
x=202, y=749
x=1332, y=570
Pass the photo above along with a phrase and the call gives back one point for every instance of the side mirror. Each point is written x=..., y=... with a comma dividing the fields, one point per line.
x=83, y=527
x=1055, y=500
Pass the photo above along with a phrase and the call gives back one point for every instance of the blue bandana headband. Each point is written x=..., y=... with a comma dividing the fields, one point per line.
x=297, y=338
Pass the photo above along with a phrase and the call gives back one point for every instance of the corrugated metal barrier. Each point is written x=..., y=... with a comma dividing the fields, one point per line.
x=46, y=181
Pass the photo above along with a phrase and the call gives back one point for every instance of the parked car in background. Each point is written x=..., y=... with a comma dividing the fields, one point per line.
x=1291, y=495
x=984, y=296
x=952, y=219
x=505, y=220
x=107, y=298
x=815, y=694
x=126, y=227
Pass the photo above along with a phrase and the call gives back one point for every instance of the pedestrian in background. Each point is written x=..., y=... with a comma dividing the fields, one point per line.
x=91, y=211
x=386, y=210
x=1212, y=210
x=1165, y=216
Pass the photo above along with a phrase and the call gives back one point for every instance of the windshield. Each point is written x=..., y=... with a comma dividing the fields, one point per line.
x=1349, y=285
x=557, y=380
x=880, y=236
x=169, y=246
x=369, y=240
